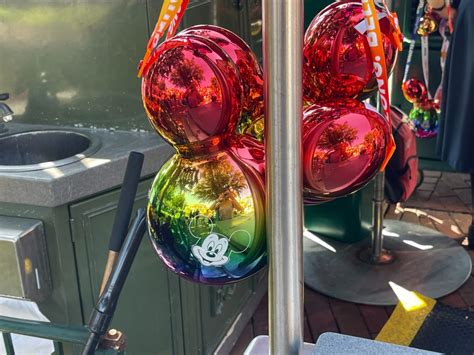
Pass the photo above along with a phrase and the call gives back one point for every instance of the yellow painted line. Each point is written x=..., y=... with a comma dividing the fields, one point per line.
x=406, y=320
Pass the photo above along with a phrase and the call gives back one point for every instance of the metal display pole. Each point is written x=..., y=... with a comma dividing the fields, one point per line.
x=283, y=47
x=377, y=236
x=376, y=254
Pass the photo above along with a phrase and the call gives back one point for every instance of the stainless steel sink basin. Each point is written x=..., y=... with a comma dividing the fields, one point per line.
x=38, y=150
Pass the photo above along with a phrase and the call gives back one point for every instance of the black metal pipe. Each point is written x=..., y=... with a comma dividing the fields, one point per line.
x=103, y=312
x=126, y=199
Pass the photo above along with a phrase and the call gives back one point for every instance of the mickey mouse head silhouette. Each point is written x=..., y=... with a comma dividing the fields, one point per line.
x=215, y=245
x=212, y=250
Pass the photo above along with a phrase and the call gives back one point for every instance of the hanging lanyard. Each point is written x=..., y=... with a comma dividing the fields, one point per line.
x=444, y=54
x=411, y=50
x=425, y=63
x=171, y=13
x=425, y=58
x=374, y=37
x=396, y=32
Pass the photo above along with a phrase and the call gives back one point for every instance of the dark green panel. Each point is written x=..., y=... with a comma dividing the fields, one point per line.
x=403, y=8
x=253, y=26
x=347, y=219
x=209, y=311
x=311, y=9
x=147, y=310
x=63, y=305
x=219, y=308
x=73, y=62
x=216, y=12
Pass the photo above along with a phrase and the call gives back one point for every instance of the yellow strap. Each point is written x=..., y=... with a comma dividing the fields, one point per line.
x=406, y=320
x=162, y=23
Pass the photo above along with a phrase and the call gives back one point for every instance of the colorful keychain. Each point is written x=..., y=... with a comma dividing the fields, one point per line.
x=424, y=116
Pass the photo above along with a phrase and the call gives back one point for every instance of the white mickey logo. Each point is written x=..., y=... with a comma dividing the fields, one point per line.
x=212, y=250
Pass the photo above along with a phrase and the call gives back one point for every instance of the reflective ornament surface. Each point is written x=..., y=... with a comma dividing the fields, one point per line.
x=428, y=24
x=206, y=214
x=206, y=218
x=250, y=151
x=343, y=148
x=250, y=71
x=337, y=60
x=310, y=199
x=424, y=118
x=192, y=93
x=414, y=91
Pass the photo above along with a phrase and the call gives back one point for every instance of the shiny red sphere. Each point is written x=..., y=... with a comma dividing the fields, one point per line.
x=249, y=151
x=343, y=147
x=337, y=58
x=414, y=91
x=311, y=200
x=247, y=65
x=192, y=93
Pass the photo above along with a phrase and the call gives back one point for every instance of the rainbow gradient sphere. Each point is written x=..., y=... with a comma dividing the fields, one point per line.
x=206, y=218
x=424, y=118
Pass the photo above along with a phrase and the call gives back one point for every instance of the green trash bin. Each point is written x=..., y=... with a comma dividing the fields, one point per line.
x=347, y=219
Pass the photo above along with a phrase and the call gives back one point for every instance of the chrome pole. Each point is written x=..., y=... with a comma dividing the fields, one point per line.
x=283, y=44
x=376, y=254
x=377, y=232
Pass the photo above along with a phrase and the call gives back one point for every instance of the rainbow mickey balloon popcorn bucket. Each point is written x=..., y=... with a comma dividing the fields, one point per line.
x=206, y=214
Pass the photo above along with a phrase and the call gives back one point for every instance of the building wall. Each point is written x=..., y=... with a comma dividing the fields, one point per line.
x=72, y=63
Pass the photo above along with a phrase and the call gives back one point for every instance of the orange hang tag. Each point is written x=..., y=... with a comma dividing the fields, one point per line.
x=170, y=16
x=397, y=35
x=374, y=37
x=177, y=19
